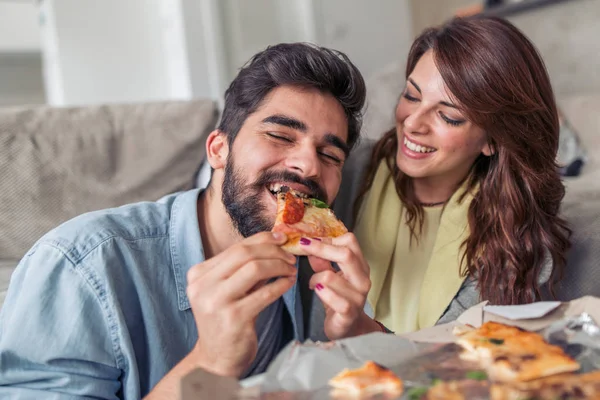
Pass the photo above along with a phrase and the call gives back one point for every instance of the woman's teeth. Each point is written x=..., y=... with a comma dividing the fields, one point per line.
x=417, y=148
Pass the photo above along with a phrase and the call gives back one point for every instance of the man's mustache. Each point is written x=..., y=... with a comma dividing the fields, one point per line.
x=314, y=190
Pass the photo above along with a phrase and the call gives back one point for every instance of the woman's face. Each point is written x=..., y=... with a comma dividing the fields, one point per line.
x=435, y=141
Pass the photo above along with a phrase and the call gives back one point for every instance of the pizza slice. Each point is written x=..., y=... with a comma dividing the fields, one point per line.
x=458, y=390
x=566, y=386
x=369, y=380
x=298, y=216
x=510, y=354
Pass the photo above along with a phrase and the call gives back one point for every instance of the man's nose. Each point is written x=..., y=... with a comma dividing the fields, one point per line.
x=304, y=161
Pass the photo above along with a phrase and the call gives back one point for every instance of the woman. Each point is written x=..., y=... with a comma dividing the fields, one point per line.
x=460, y=201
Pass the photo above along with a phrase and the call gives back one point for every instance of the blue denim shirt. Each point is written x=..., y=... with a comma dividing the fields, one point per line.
x=98, y=307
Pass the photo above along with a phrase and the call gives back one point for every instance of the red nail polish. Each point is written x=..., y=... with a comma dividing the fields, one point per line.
x=304, y=241
x=317, y=239
x=319, y=286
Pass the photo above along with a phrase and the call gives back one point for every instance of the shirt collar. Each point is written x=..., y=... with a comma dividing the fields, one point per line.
x=185, y=241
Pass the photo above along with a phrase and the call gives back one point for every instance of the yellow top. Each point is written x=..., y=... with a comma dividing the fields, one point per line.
x=398, y=304
x=412, y=284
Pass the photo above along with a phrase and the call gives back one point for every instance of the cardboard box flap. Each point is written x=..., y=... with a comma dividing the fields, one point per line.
x=587, y=304
x=524, y=311
x=473, y=316
x=532, y=317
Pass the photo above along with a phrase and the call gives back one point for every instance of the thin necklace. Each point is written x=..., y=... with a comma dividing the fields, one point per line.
x=434, y=204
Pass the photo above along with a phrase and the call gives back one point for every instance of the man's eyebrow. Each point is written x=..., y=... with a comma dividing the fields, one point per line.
x=285, y=121
x=333, y=140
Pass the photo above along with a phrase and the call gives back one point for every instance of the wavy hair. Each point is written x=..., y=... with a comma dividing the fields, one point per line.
x=500, y=81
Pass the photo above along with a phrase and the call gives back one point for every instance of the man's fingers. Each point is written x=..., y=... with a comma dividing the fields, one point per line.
x=252, y=274
x=277, y=238
x=224, y=265
x=242, y=255
x=260, y=299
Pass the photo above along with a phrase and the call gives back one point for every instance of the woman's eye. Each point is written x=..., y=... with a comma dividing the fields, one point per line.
x=450, y=121
x=410, y=98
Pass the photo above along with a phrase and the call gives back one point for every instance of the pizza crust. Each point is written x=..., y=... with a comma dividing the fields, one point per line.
x=566, y=386
x=368, y=380
x=510, y=354
x=293, y=246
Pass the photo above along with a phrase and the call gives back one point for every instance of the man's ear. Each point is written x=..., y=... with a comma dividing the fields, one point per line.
x=217, y=149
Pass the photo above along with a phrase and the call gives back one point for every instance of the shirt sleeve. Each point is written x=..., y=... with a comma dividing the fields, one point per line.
x=55, y=332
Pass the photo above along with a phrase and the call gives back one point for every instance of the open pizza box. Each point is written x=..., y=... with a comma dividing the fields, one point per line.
x=301, y=371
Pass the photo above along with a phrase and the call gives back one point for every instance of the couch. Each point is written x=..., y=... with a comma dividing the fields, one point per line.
x=57, y=163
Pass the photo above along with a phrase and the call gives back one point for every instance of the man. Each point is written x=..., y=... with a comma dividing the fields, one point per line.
x=122, y=303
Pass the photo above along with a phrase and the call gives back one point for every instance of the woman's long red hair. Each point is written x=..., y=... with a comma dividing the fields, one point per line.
x=496, y=75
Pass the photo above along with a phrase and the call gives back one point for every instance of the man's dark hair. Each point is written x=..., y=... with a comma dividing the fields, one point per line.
x=295, y=64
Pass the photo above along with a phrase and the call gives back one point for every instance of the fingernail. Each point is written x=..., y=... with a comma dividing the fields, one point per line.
x=319, y=286
x=278, y=235
x=304, y=241
x=317, y=239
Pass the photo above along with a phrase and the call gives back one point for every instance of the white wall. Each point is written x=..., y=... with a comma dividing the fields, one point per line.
x=21, y=79
x=568, y=37
x=20, y=59
x=205, y=47
x=144, y=50
x=19, y=30
x=372, y=33
x=250, y=26
x=113, y=51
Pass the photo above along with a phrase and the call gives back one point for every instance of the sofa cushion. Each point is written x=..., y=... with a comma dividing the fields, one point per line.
x=581, y=205
x=582, y=274
x=58, y=163
x=6, y=270
x=583, y=112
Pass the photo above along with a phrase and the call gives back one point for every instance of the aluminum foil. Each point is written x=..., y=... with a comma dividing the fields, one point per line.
x=301, y=371
x=580, y=338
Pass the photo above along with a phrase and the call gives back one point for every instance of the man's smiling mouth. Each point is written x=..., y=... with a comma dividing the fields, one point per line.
x=300, y=190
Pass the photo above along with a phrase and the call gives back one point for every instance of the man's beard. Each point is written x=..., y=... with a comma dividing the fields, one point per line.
x=244, y=202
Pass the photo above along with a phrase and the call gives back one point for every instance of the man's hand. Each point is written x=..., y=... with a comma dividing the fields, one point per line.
x=228, y=291
x=343, y=293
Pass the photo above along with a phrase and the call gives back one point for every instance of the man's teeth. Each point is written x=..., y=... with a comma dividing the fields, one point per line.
x=275, y=187
x=280, y=187
x=417, y=148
